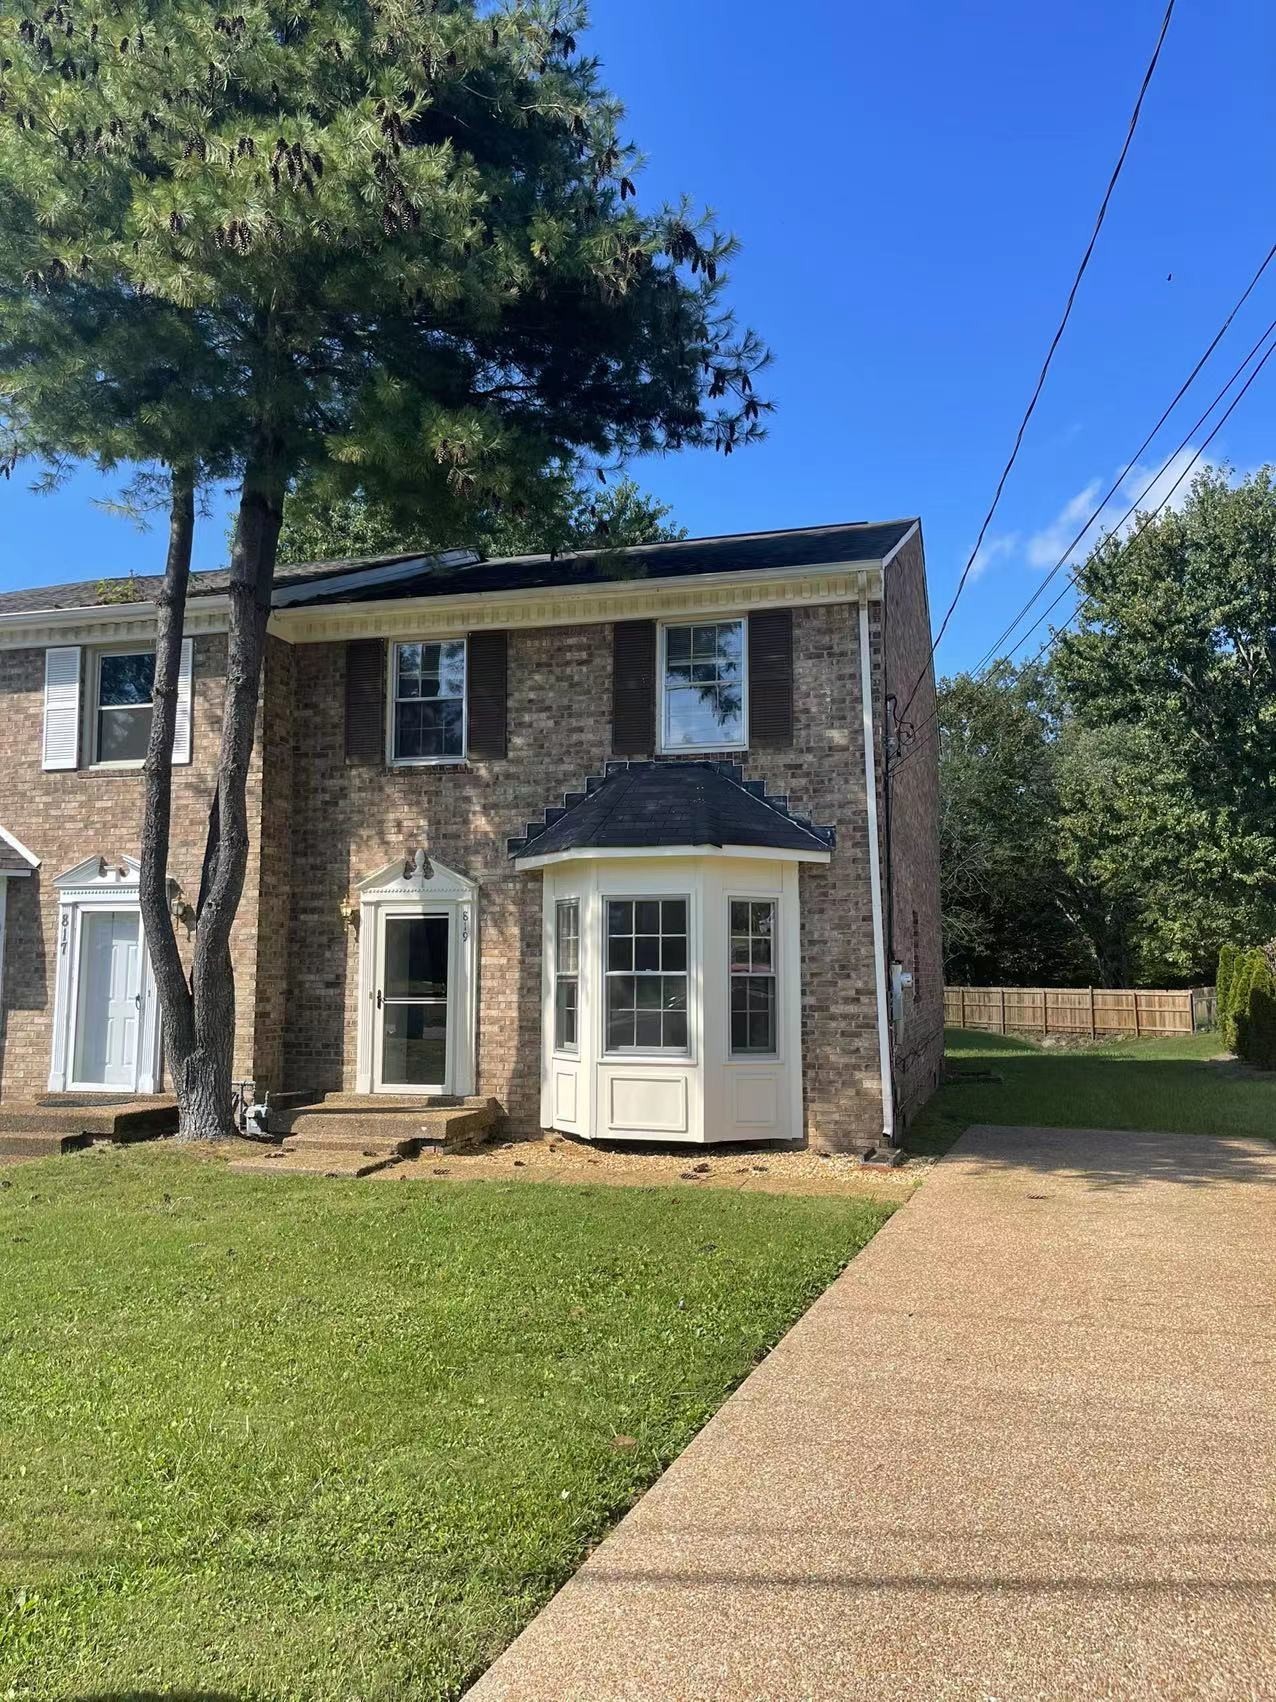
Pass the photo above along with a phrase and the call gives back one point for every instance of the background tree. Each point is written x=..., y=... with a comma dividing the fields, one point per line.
x=566, y=515
x=1175, y=654
x=1010, y=908
x=403, y=236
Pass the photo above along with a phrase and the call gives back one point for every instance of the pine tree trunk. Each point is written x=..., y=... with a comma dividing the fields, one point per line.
x=175, y=1003
x=204, y=1078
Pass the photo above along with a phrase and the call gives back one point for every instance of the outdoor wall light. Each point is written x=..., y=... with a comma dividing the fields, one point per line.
x=349, y=911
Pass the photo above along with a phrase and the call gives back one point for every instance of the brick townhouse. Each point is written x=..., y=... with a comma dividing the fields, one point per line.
x=607, y=837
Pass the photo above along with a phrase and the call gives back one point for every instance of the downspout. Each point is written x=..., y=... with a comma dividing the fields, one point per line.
x=875, y=877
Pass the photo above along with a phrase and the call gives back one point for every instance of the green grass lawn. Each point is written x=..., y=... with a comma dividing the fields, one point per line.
x=1126, y=1084
x=278, y=1438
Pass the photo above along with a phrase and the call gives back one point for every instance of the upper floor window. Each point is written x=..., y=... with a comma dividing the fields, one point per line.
x=703, y=686
x=427, y=722
x=123, y=705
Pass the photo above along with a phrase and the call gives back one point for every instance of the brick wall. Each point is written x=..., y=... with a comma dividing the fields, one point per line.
x=348, y=821
x=64, y=817
x=914, y=836
x=327, y=824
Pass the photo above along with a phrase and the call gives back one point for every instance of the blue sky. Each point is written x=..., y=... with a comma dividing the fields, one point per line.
x=914, y=185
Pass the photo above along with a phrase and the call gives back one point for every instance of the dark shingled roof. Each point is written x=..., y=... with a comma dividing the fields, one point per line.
x=12, y=862
x=637, y=806
x=143, y=587
x=806, y=546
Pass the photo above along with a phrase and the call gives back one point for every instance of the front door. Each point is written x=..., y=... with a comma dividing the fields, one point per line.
x=412, y=1052
x=108, y=1003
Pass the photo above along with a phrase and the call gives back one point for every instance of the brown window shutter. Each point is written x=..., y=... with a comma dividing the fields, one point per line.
x=365, y=700
x=771, y=678
x=633, y=688
x=487, y=694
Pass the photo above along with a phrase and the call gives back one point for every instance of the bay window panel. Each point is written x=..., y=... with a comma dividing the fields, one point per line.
x=646, y=975
x=752, y=976
x=566, y=974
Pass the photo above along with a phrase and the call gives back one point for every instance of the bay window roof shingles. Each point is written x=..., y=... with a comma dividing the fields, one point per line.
x=640, y=806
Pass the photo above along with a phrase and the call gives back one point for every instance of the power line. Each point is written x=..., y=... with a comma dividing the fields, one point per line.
x=1054, y=344
x=1072, y=577
x=929, y=728
x=995, y=647
x=981, y=670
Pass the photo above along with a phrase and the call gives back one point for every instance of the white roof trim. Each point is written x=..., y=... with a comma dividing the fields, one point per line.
x=638, y=853
x=298, y=622
x=15, y=844
x=579, y=605
x=911, y=533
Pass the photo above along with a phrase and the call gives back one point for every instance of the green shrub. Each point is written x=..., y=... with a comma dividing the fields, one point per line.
x=1256, y=1020
x=1227, y=961
x=1238, y=999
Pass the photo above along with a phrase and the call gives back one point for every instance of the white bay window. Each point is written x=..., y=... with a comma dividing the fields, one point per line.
x=646, y=975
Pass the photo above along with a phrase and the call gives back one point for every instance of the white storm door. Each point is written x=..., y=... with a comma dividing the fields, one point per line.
x=109, y=1000
x=412, y=1032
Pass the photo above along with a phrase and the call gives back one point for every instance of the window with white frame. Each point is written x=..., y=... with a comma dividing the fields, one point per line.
x=703, y=686
x=566, y=974
x=753, y=1012
x=428, y=708
x=646, y=975
x=124, y=685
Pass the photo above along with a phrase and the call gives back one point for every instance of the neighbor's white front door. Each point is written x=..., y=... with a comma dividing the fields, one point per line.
x=108, y=1000
x=413, y=1004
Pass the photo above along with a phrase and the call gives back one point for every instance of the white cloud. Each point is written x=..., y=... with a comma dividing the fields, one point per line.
x=993, y=549
x=1044, y=547
x=1143, y=489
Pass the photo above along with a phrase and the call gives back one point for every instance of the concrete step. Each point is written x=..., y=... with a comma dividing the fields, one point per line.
x=38, y=1143
x=403, y=1129
x=338, y=1161
x=120, y=1120
x=285, y=1108
x=348, y=1142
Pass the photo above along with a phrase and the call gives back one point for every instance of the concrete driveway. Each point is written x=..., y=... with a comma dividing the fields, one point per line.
x=1024, y=1448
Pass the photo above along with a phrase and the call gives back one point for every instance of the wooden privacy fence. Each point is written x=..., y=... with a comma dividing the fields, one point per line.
x=1088, y=1011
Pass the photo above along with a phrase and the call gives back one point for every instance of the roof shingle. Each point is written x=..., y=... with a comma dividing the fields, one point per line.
x=805, y=546
x=638, y=806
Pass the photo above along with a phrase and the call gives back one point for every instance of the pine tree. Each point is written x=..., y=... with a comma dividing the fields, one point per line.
x=401, y=240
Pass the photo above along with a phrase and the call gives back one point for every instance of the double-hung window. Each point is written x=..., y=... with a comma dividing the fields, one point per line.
x=753, y=1014
x=646, y=975
x=428, y=707
x=566, y=974
x=703, y=686
x=125, y=684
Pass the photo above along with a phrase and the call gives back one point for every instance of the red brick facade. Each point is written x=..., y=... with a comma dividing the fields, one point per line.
x=320, y=825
